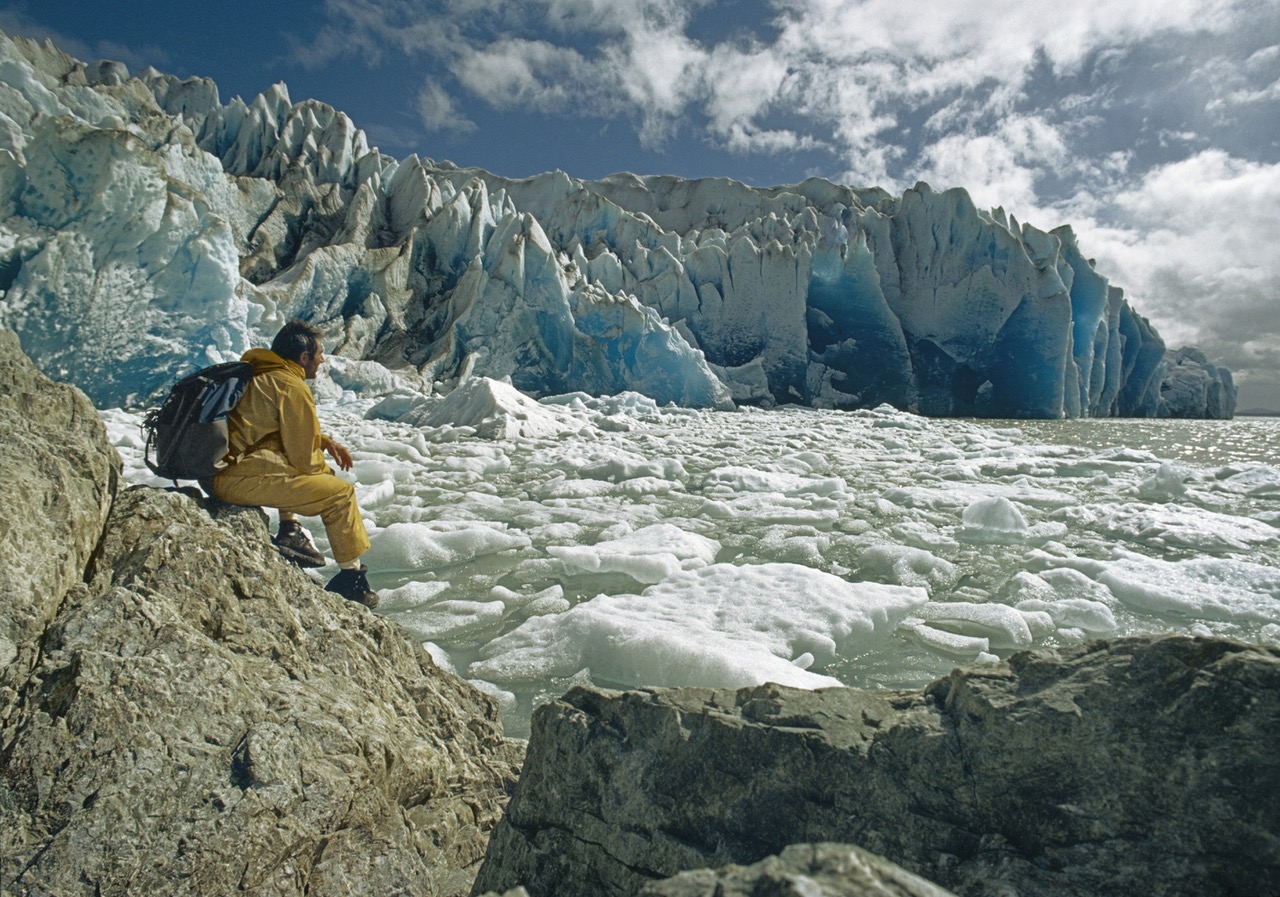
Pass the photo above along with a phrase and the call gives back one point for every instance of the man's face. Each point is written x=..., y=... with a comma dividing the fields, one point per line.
x=311, y=361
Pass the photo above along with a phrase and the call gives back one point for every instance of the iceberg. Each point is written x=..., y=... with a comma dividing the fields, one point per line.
x=146, y=228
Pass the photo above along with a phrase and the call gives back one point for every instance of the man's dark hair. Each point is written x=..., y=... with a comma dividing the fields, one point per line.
x=295, y=338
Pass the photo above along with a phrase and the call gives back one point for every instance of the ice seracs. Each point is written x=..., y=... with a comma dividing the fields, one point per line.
x=148, y=229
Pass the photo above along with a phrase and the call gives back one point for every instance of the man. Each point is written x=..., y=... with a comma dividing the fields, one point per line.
x=276, y=458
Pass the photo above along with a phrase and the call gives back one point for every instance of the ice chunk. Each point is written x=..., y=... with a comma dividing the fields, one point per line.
x=411, y=594
x=506, y=700
x=455, y=619
x=440, y=657
x=907, y=566
x=1075, y=613
x=413, y=547
x=496, y=411
x=1176, y=526
x=746, y=479
x=648, y=555
x=953, y=644
x=1001, y=625
x=369, y=378
x=722, y=625
x=994, y=520
x=1168, y=484
x=1206, y=588
x=1261, y=481
x=1070, y=598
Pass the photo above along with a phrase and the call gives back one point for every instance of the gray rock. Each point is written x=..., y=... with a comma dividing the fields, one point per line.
x=1113, y=768
x=802, y=870
x=59, y=474
x=187, y=714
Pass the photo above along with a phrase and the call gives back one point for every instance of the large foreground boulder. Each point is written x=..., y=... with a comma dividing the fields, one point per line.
x=58, y=473
x=1132, y=766
x=187, y=714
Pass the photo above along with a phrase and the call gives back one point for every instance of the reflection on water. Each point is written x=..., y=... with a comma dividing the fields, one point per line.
x=1243, y=440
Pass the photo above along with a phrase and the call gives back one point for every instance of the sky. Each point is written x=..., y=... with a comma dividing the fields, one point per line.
x=1152, y=127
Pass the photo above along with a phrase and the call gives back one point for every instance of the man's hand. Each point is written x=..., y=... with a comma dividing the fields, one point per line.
x=338, y=451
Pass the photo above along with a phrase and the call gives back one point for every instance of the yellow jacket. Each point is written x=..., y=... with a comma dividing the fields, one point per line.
x=275, y=421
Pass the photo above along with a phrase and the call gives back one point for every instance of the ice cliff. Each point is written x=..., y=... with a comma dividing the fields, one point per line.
x=145, y=228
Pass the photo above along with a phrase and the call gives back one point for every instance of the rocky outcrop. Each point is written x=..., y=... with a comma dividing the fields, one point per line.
x=802, y=870
x=185, y=713
x=1125, y=767
x=59, y=474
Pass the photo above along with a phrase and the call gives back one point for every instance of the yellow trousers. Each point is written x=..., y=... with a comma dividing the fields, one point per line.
x=263, y=479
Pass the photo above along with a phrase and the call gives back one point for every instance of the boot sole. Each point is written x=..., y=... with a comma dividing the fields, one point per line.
x=307, y=561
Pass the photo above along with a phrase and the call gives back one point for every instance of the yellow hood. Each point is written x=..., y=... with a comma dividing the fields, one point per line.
x=265, y=361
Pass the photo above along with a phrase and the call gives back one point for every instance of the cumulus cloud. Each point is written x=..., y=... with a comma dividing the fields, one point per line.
x=999, y=168
x=523, y=74
x=1192, y=244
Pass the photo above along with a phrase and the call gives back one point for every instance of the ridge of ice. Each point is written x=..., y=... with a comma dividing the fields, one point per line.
x=147, y=229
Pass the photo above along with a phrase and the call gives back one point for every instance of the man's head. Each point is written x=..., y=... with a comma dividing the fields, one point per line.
x=299, y=341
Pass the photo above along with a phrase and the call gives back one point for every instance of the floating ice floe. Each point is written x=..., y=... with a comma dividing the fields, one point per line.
x=999, y=521
x=420, y=547
x=721, y=626
x=1166, y=525
x=907, y=566
x=1075, y=603
x=648, y=555
x=495, y=410
x=1203, y=588
x=1000, y=625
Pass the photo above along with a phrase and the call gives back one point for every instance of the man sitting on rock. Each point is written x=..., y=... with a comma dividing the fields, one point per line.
x=276, y=459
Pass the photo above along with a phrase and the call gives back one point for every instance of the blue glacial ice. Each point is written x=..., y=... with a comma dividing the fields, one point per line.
x=147, y=228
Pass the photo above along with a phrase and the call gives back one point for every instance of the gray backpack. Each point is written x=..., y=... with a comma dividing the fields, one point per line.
x=189, y=430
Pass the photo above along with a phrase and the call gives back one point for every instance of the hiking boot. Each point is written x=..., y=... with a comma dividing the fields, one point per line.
x=354, y=586
x=295, y=545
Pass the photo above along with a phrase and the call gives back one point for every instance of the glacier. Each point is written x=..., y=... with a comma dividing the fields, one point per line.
x=146, y=228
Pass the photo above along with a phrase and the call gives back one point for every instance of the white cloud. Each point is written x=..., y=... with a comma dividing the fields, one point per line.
x=438, y=112
x=372, y=30
x=1000, y=168
x=1193, y=244
x=644, y=67
x=660, y=74
x=523, y=74
x=741, y=85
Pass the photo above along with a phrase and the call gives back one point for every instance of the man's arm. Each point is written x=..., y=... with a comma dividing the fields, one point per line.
x=337, y=451
x=300, y=429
